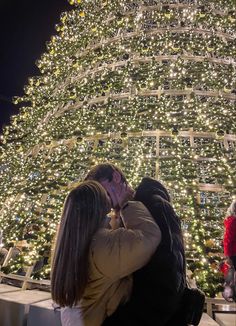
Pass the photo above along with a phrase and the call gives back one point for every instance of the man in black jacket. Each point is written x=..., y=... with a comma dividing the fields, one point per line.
x=158, y=287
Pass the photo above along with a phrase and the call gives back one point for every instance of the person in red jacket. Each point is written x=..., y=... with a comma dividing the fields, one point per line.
x=230, y=235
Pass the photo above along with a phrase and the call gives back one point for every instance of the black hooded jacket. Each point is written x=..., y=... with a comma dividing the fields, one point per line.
x=158, y=286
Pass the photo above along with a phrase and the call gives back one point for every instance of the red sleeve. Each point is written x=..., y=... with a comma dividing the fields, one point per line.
x=230, y=237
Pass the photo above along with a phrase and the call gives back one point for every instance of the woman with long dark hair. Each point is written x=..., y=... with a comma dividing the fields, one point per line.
x=92, y=263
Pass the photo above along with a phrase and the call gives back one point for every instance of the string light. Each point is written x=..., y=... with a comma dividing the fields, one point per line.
x=149, y=87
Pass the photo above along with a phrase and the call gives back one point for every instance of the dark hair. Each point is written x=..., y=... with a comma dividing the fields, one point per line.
x=104, y=171
x=84, y=211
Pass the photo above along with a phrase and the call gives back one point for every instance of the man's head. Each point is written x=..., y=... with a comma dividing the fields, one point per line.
x=113, y=180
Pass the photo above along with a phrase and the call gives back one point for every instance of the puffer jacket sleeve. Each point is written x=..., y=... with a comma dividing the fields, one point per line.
x=118, y=253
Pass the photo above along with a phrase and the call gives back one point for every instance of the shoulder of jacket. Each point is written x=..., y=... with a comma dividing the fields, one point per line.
x=230, y=220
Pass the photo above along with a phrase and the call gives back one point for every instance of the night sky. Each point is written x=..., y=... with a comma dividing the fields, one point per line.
x=25, y=26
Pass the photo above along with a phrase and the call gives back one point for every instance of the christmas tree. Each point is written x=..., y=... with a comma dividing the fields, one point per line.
x=148, y=85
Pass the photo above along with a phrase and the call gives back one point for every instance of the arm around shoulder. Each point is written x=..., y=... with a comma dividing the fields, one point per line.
x=125, y=250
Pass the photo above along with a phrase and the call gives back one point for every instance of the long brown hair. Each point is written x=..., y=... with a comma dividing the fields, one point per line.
x=84, y=211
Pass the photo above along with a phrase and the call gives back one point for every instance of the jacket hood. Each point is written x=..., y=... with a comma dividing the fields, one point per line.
x=149, y=187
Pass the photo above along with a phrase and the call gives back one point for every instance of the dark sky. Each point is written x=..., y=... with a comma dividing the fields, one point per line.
x=25, y=26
